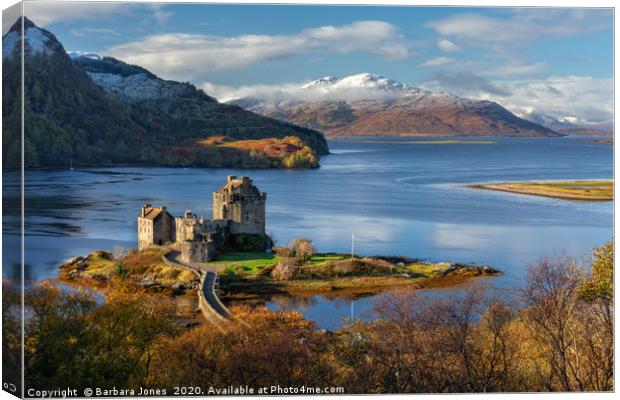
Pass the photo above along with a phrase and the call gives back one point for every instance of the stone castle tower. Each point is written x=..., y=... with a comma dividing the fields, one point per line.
x=241, y=203
x=155, y=227
x=238, y=207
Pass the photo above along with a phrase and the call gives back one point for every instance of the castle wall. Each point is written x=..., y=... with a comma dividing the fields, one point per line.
x=240, y=202
x=145, y=233
x=163, y=229
x=158, y=231
x=196, y=252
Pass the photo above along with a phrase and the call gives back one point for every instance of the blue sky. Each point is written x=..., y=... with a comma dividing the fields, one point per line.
x=497, y=53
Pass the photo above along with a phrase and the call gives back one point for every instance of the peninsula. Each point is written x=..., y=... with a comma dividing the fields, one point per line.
x=587, y=190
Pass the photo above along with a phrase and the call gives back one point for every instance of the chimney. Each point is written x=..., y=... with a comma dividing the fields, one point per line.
x=246, y=180
x=163, y=208
x=144, y=208
x=231, y=178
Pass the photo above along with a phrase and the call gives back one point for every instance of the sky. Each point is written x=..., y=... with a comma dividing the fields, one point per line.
x=550, y=61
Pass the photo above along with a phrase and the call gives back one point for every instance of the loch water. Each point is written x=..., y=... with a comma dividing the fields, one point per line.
x=397, y=198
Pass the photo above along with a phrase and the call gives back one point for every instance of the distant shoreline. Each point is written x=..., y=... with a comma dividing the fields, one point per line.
x=586, y=190
x=429, y=142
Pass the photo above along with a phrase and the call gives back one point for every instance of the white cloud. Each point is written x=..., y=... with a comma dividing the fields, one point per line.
x=94, y=31
x=44, y=13
x=447, y=46
x=297, y=92
x=160, y=14
x=582, y=98
x=520, y=68
x=438, y=61
x=188, y=55
x=499, y=33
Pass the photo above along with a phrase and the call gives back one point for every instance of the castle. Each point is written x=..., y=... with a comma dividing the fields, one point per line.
x=238, y=208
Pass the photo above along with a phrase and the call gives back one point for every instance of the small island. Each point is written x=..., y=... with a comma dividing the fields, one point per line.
x=606, y=141
x=231, y=257
x=587, y=190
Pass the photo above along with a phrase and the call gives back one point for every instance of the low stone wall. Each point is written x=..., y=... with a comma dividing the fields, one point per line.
x=208, y=302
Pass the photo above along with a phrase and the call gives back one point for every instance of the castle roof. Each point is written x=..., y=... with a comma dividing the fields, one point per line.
x=233, y=183
x=153, y=213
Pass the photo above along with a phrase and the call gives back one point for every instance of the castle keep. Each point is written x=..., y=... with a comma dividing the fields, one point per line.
x=238, y=208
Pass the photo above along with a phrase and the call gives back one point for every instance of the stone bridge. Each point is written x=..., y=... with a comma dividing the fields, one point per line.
x=208, y=302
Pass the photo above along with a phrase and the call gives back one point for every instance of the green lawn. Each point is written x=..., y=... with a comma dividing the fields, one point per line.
x=321, y=258
x=252, y=263
x=425, y=270
x=248, y=263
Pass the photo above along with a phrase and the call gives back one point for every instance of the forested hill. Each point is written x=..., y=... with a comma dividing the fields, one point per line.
x=71, y=114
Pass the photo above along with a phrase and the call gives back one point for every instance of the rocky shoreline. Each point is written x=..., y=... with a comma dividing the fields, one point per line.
x=80, y=269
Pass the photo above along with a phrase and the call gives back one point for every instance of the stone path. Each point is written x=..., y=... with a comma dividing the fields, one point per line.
x=210, y=305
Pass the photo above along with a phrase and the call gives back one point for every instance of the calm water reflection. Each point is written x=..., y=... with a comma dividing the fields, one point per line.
x=396, y=198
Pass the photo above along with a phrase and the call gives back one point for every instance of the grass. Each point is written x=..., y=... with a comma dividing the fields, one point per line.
x=321, y=258
x=426, y=270
x=250, y=264
x=100, y=265
x=331, y=274
x=587, y=190
x=246, y=263
x=136, y=266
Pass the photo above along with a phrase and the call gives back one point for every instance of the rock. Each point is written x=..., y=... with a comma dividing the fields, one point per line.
x=179, y=287
x=73, y=274
x=78, y=263
x=400, y=264
x=75, y=260
x=147, y=280
x=99, y=278
x=102, y=254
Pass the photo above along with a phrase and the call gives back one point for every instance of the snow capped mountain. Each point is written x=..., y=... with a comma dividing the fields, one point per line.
x=370, y=104
x=363, y=81
x=327, y=80
x=368, y=81
x=36, y=40
x=102, y=111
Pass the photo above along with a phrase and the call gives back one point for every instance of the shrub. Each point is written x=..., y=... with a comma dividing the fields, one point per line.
x=286, y=269
x=304, y=158
x=302, y=248
x=282, y=251
x=250, y=242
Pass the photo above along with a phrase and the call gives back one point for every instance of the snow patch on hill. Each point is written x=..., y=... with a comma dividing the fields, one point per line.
x=139, y=87
x=36, y=41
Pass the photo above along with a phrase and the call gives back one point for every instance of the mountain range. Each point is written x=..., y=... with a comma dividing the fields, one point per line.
x=101, y=111
x=369, y=104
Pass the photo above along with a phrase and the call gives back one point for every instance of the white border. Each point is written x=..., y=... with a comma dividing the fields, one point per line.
x=456, y=3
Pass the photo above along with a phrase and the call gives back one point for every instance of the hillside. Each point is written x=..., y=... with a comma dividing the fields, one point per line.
x=67, y=116
x=104, y=112
x=367, y=104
